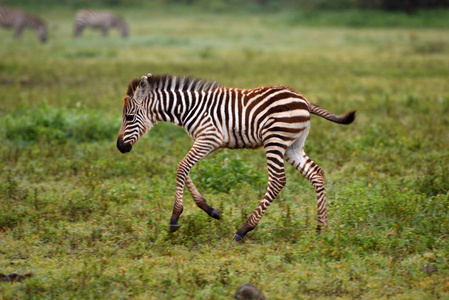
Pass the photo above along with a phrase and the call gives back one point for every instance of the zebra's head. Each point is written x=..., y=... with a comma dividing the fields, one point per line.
x=135, y=121
x=122, y=26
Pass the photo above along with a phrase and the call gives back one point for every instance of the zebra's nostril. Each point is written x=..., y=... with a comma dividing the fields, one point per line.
x=123, y=147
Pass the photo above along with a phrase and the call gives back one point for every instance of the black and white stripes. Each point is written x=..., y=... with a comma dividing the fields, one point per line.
x=274, y=117
x=102, y=20
x=18, y=20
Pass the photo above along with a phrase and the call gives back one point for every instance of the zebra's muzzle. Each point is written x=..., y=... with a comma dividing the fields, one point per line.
x=123, y=147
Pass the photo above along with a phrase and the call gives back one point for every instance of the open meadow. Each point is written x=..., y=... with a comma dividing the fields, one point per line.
x=87, y=222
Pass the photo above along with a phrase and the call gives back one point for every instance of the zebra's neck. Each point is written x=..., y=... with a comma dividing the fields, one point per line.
x=177, y=107
x=35, y=23
x=120, y=24
x=175, y=99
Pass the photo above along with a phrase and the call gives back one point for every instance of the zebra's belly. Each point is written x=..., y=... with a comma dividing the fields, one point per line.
x=6, y=25
x=241, y=146
x=241, y=140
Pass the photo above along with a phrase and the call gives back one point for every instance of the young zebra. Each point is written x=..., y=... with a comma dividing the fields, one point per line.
x=275, y=117
x=17, y=20
x=99, y=19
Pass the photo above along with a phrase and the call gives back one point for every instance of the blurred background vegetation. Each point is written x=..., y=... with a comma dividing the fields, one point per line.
x=351, y=13
x=406, y=5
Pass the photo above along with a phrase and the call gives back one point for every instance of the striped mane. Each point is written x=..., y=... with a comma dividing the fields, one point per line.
x=176, y=83
x=132, y=86
x=181, y=83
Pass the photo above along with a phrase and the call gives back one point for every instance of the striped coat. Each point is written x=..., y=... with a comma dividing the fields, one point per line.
x=276, y=118
x=18, y=20
x=102, y=20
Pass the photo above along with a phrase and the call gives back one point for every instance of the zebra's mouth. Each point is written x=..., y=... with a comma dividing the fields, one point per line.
x=123, y=147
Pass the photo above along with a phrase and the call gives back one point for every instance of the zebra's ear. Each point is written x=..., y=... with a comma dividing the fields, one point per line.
x=142, y=89
x=143, y=82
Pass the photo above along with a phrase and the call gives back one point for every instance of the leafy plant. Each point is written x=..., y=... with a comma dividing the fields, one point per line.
x=223, y=174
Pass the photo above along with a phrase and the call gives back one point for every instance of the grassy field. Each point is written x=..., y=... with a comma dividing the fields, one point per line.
x=89, y=222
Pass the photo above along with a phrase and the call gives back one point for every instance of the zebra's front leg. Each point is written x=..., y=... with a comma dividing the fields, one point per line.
x=200, y=201
x=276, y=181
x=105, y=30
x=199, y=150
x=18, y=32
x=78, y=30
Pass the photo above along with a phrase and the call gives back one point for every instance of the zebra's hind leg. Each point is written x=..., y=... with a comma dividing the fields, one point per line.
x=276, y=181
x=298, y=158
x=200, y=201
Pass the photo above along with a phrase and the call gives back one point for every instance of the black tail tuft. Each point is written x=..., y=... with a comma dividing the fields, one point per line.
x=349, y=117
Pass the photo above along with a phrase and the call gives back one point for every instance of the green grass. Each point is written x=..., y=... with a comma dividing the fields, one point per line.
x=89, y=222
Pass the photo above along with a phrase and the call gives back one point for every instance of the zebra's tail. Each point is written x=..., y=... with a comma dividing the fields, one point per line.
x=347, y=118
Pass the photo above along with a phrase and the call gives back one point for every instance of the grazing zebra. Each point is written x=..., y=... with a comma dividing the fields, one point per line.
x=17, y=20
x=274, y=117
x=99, y=19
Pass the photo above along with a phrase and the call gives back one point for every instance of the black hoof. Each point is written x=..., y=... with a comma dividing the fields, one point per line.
x=174, y=227
x=215, y=213
x=318, y=229
x=238, y=238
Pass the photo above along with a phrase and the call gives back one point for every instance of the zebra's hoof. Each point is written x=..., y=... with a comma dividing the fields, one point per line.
x=174, y=227
x=319, y=229
x=215, y=214
x=238, y=238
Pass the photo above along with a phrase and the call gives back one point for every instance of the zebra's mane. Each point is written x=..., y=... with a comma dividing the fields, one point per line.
x=132, y=86
x=175, y=83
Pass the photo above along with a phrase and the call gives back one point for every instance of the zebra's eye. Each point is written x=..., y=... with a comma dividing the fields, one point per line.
x=129, y=117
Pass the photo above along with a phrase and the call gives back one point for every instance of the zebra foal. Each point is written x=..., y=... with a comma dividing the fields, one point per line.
x=99, y=19
x=274, y=117
x=18, y=20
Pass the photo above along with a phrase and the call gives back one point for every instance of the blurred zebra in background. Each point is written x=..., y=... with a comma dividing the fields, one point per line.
x=99, y=19
x=17, y=20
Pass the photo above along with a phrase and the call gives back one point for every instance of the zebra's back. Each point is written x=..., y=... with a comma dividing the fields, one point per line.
x=239, y=118
x=18, y=20
x=99, y=19
x=9, y=17
x=93, y=18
